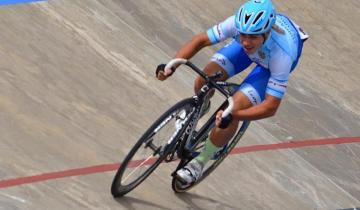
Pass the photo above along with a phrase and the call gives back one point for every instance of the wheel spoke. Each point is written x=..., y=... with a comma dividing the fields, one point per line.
x=153, y=147
x=137, y=168
x=150, y=149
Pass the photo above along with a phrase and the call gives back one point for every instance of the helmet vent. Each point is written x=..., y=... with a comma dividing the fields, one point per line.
x=247, y=17
x=258, y=30
x=255, y=17
x=240, y=14
x=258, y=17
x=267, y=24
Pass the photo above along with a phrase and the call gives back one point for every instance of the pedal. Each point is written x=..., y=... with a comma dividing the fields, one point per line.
x=170, y=157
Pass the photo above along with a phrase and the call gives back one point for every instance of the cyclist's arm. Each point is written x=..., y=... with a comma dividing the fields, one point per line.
x=213, y=35
x=266, y=109
x=190, y=48
x=187, y=51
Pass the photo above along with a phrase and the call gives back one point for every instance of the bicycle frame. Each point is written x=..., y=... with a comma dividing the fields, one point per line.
x=185, y=140
x=212, y=84
x=190, y=123
x=198, y=99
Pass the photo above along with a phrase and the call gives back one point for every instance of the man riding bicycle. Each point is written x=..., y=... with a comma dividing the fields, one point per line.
x=259, y=35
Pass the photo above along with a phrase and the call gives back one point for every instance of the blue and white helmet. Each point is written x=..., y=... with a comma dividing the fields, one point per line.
x=255, y=17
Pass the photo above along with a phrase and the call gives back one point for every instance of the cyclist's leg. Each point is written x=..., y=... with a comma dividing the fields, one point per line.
x=219, y=137
x=251, y=93
x=233, y=60
x=210, y=69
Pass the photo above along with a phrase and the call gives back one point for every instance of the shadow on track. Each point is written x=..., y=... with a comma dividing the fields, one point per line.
x=192, y=198
x=130, y=202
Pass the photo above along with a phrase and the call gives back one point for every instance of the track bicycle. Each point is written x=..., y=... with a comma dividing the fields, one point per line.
x=177, y=135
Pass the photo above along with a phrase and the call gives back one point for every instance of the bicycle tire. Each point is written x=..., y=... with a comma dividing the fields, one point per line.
x=178, y=187
x=118, y=188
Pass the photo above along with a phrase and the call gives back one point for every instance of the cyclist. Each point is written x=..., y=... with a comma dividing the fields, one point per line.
x=259, y=35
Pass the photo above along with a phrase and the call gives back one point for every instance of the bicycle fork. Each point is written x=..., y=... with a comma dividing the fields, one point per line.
x=182, y=125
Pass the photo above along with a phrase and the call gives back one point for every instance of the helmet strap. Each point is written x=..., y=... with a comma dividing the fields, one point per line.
x=265, y=36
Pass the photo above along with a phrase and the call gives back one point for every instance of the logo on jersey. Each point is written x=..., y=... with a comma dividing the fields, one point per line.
x=218, y=29
x=278, y=86
x=221, y=60
x=254, y=100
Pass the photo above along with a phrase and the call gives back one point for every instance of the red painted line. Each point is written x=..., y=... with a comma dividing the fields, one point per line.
x=295, y=144
x=56, y=175
x=114, y=166
x=68, y=173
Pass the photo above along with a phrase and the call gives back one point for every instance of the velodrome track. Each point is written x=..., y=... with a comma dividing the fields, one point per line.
x=77, y=89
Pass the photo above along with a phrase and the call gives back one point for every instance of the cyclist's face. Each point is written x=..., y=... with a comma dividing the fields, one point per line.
x=251, y=42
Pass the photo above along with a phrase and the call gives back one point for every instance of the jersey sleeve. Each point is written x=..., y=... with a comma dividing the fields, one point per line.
x=280, y=67
x=222, y=31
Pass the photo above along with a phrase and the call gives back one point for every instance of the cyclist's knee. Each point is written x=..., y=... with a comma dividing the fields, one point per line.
x=199, y=82
x=241, y=101
x=210, y=69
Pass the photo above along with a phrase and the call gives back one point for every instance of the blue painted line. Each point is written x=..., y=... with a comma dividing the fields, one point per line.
x=11, y=2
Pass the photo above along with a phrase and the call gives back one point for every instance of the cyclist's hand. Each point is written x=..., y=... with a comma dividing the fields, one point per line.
x=162, y=73
x=222, y=122
x=161, y=76
x=218, y=118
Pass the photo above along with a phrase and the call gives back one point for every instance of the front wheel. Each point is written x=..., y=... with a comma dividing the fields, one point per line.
x=152, y=148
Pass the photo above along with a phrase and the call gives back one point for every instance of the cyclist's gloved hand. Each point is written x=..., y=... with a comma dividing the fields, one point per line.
x=161, y=74
x=223, y=122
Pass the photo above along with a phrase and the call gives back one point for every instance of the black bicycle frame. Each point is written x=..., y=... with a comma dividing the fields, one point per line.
x=198, y=101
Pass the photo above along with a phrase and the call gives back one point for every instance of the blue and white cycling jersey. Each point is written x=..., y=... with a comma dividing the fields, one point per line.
x=279, y=54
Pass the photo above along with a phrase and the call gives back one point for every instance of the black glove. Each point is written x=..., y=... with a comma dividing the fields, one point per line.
x=225, y=122
x=161, y=67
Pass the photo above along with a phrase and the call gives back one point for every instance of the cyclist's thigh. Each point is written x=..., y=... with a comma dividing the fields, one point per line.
x=254, y=85
x=232, y=58
x=241, y=101
x=211, y=68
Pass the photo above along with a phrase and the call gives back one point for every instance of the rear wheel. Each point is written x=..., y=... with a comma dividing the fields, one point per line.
x=152, y=148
